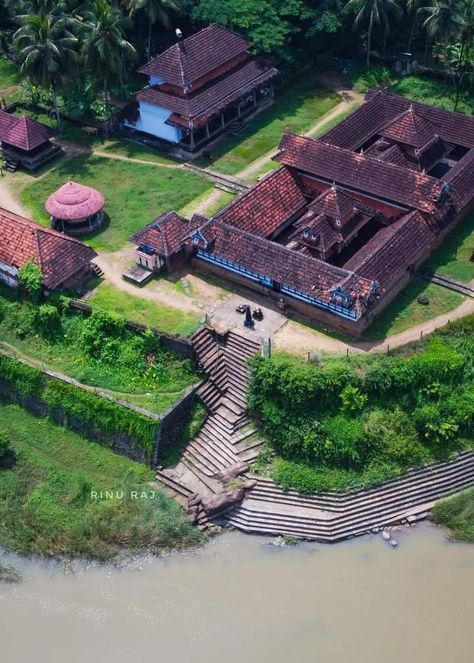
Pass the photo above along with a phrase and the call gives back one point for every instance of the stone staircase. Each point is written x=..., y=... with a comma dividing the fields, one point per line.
x=331, y=517
x=227, y=438
x=228, y=441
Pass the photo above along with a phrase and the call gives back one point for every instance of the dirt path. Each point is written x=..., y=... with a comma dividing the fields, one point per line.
x=295, y=338
x=8, y=200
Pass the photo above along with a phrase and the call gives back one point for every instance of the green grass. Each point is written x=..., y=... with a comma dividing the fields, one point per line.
x=405, y=311
x=433, y=93
x=134, y=151
x=135, y=193
x=457, y=513
x=46, y=505
x=453, y=257
x=297, y=109
x=166, y=318
x=335, y=120
x=9, y=81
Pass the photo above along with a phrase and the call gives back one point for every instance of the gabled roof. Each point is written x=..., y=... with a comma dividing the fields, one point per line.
x=214, y=96
x=24, y=133
x=58, y=256
x=359, y=172
x=197, y=55
x=410, y=128
x=389, y=253
x=265, y=207
x=165, y=234
x=461, y=181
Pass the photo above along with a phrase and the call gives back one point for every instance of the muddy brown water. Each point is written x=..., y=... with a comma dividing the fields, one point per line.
x=239, y=600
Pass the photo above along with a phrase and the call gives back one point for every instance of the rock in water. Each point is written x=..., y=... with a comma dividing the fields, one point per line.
x=394, y=543
x=385, y=535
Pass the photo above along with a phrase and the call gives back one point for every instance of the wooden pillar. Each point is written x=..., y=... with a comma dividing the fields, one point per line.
x=192, y=138
x=222, y=120
x=254, y=94
x=207, y=130
x=238, y=111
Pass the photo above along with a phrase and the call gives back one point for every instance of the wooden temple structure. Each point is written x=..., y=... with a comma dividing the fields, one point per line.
x=25, y=142
x=346, y=220
x=199, y=88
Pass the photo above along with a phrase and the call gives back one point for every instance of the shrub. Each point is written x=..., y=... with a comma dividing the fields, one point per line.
x=31, y=278
x=364, y=78
x=344, y=445
x=99, y=333
x=353, y=400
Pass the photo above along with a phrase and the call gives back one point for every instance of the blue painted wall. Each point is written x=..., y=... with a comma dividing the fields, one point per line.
x=152, y=121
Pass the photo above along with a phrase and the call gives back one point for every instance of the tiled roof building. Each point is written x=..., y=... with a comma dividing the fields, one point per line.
x=25, y=141
x=199, y=87
x=346, y=220
x=61, y=259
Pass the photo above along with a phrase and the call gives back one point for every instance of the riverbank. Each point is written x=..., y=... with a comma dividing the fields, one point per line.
x=457, y=513
x=66, y=496
x=223, y=602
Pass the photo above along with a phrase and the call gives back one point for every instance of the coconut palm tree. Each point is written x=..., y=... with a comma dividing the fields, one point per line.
x=47, y=49
x=373, y=12
x=444, y=19
x=103, y=41
x=156, y=11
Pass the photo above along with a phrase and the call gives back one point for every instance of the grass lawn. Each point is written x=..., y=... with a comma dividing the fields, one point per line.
x=457, y=513
x=135, y=193
x=434, y=93
x=131, y=150
x=296, y=109
x=453, y=257
x=46, y=506
x=405, y=312
x=9, y=80
x=166, y=318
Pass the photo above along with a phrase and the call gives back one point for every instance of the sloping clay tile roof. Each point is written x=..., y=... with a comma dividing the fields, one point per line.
x=74, y=201
x=411, y=129
x=361, y=173
x=266, y=206
x=196, y=55
x=24, y=133
x=59, y=257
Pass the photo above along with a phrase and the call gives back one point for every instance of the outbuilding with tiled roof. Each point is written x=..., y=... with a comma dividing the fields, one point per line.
x=63, y=261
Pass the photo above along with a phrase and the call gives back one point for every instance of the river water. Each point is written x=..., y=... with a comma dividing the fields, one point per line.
x=239, y=600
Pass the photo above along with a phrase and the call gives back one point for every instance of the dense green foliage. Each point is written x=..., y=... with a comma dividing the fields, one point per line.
x=360, y=420
x=457, y=513
x=96, y=350
x=31, y=278
x=47, y=504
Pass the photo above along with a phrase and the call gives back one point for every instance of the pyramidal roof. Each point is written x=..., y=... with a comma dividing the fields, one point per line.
x=410, y=128
x=23, y=133
x=334, y=204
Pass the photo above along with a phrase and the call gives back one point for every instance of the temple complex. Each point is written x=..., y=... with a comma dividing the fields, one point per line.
x=199, y=88
x=345, y=221
x=25, y=142
x=63, y=261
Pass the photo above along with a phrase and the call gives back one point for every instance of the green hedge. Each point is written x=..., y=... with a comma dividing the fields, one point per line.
x=103, y=419
x=21, y=378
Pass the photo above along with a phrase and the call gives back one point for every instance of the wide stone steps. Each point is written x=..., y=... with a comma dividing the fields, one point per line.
x=164, y=477
x=406, y=498
x=311, y=517
x=338, y=501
